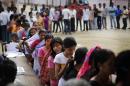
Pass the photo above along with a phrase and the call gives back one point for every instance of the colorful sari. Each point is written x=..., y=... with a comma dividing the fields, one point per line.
x=36, y=66
x=43, y=55
x=86, y=66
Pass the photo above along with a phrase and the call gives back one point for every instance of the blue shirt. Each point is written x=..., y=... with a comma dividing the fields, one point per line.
x=118, y=12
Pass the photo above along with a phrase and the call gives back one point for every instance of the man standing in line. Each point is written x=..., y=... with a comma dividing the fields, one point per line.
x=99, y=19
x=66, y=17
x=112, y=11
x=95, y=15
x=118, y=16
x=72, y=18
x=104, y=16
x=4, y=20
x=79, y=15
x=86, y=14
x=124, y=17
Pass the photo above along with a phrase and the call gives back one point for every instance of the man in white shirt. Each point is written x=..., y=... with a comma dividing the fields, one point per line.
x=86, y=14
x=72, y=18
x=51, y=14
x=104, y=16
x=31, y=19
x=124, y=17
x=66, y=17
x=9, y=12
x=4, y=20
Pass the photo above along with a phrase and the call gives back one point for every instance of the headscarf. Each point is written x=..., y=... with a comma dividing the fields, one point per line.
x=86, y=66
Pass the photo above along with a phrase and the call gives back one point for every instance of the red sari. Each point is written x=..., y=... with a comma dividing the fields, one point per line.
x=43, y=59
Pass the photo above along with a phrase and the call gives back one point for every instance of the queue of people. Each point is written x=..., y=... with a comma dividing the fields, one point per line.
x=63, y=19
x=55, y=61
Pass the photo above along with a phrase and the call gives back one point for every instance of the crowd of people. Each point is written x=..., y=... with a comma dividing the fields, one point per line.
x=61, y=19
x=55, y=61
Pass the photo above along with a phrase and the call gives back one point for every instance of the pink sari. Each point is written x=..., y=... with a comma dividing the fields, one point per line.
x=86, y=66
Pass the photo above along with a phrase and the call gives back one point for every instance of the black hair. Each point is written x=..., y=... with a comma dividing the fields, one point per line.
x=8, y=71
x=15, y=16
x=43, y=6
x=91, y=58
x=78, y=58
x=118, y=6
x=24, y=5
x=66, y=6
x=11, y=17
x=100, y=4
x=8, y=9
x=25, y=24
x=99, y=56
x=94, y=5
x=42, y=31
x=37, y=13
x=124, y=7
x=30, y=13
x=48, y=36
x=80, y=54
x=54, y=41
x=123, y=67
x=104, y=4
x=18, y=22
x=111, y=4
x=22, y=10
x=69, y=42
x=31, y=30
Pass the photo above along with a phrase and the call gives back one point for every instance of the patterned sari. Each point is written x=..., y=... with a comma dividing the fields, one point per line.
x=43, y=60
x=36, y=66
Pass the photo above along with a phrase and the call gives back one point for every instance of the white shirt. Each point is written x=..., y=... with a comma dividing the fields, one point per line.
x=60, y=58
x=86, y=14
x=66, y=13
x=12, y=47
x=125, y=13
x=31, y=20
x=52, y=13
x=104, y=12
x=73, y=13
x=100, y=10
x=9, y=14
x=4, y=18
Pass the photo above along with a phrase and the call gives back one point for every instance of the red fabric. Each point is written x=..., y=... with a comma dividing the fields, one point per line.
x=44, y=73
x=23, y=34
x=79, y=9
x=35, y=43
x=79, y=13
x=86, y=66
